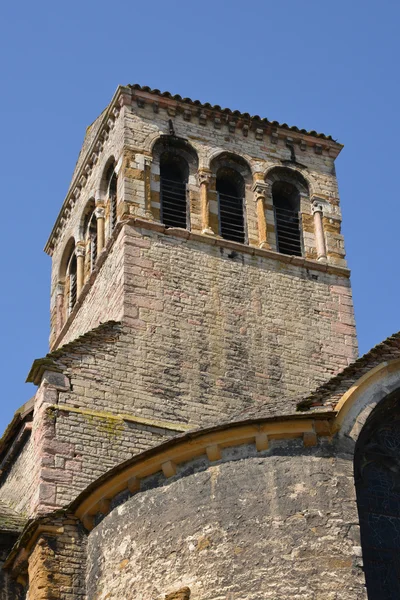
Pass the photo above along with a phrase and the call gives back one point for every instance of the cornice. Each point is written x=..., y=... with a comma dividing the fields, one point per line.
x=91, y=157
x=204, y=112
x=167, y=457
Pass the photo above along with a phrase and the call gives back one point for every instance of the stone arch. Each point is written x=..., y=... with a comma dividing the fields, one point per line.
x=177, y=162
x=177, y=146
x=243, y=158
x=101, y=194
x=65, y=258
x=365, y=394
x=86, y=214
x=291, y=175
x=377, y=482
x=289, y=198
x=232, y=182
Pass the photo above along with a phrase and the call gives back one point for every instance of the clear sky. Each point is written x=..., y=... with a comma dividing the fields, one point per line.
x=328, y=66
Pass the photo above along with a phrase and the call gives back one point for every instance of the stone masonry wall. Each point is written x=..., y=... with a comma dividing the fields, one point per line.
x=105, y=297
x=279, y=525
x=17, y=486
x=208, y=332
x=57, y=563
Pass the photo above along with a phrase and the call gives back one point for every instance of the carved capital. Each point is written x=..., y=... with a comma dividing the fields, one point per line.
x=204, y=177
x=60, y=289
x=317, y=207
x=260, y=189
x=79, y=251
x=147, y=161
x=99, y=212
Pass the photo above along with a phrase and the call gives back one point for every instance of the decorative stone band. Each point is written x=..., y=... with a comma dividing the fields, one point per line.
x=196, y=237
x=369, y=380
x=209, y=443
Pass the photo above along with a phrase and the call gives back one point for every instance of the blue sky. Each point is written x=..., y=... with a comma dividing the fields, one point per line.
x=328, y=66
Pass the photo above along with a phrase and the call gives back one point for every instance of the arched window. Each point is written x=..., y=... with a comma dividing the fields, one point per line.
x=286, y=200
x=174, y=174
x=230, y=188
x=89, y=234
x=112, y=181
x=377, y=479
x=72, y=282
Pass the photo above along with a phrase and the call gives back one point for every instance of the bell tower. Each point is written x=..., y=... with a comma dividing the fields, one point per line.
x=213, y=239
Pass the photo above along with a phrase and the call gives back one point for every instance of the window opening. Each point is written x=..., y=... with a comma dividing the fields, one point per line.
x=377, y=480
x=93, y=241
x=286, y=199
x=112, y=195
x=174, y=173
x=72, y=283
x=230, y=189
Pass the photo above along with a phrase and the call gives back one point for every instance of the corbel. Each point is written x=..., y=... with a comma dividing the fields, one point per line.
x=169, y=468
x=259, y=133
x=203, y=118
x=274, y=137
x=245, y=130
x=213, y=452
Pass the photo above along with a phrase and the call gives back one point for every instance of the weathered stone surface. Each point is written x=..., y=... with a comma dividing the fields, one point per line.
x=266, y=526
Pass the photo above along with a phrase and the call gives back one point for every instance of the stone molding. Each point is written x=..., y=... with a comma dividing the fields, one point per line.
x=204, y=238
x=208, y=443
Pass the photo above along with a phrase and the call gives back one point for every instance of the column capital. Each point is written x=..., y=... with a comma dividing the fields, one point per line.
x=317, y=206
x=147, y=161
x=260, y=189
x=60, y=288
x=99, y=212
x=79, y=250
x=204, y=177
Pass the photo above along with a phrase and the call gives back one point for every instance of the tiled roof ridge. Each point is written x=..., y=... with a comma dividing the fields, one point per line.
x=359, y=363
x=10, y=519
x=40, y=364
x=228, y=111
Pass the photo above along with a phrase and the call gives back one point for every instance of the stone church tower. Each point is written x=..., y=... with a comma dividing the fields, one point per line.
x=197, y=416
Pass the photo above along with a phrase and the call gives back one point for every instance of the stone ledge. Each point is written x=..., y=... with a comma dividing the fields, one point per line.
x=124, y=417
x=167, y=457
x=136, y=222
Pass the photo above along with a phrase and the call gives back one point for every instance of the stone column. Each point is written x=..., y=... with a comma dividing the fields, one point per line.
x=59, y=307
x=204, y=177
x=317, y=211
x=260, y=193
x=100, y=216
x=80, y=266
x=147, y=187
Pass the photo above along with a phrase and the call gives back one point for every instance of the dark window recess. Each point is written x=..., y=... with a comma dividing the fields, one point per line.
x=72, y=283
x=230, y=188
x=286, y=200
x=112, y=194
x=93, y=242
x=173, y=179
x=377, y=479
